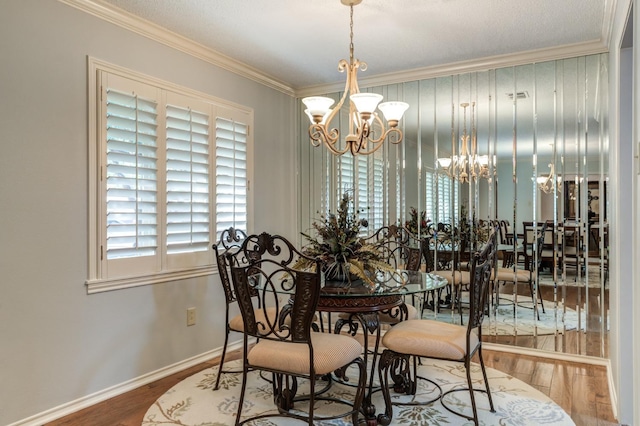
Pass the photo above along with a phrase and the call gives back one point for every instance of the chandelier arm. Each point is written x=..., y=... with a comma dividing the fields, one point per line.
x=334, y=151
x=342, y=66
x=351, y=86
x=394, y=131
x=383, y=132
x=374, y=148
x=319, y=135
x=376, y=144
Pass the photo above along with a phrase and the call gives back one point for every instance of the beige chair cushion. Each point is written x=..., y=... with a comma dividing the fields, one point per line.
x=428, y=338
x=330, y=352
x=461, y=277
x=412, y=313
x=236, y=323
x=506, y=274
x=547, y=253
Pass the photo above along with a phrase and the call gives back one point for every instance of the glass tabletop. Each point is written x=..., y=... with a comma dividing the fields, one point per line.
x=399, y=283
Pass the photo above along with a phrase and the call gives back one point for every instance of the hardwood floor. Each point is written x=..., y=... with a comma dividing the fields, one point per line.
x=580, y=389
x=592, y=341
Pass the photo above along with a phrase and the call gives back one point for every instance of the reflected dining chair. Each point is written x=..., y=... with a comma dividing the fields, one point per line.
x=438, y=246
x=401, y=250
x=287, y=347
x=397, y=247
x=409, y=340
x=532, y=248
x=574, y=254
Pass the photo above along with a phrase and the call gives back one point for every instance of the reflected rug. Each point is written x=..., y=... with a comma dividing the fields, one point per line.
x=193, y=402
x=523, y=323
x=593, y=278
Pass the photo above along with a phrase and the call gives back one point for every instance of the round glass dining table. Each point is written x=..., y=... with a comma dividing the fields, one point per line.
x=366, y=308
x=390, y=290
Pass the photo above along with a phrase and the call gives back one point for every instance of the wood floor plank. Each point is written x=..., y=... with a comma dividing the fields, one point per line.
x=605, y=412
x=542, y=374
x=584, y=400
x=561, y=391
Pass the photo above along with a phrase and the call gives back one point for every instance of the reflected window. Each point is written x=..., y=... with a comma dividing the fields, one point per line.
x=441, y=198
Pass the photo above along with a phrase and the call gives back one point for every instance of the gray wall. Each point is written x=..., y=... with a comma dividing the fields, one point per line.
x=58, y=344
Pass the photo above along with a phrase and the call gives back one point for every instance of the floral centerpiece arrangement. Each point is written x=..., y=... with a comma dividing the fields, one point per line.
x=344, y=255
x=472, y=232
x=417, y=225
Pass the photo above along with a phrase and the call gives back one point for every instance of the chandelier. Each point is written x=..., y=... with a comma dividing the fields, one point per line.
x=468, y=164
x=545, y=183
x=367, y=131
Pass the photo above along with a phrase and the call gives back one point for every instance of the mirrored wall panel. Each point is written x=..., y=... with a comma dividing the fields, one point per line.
x=520, y=150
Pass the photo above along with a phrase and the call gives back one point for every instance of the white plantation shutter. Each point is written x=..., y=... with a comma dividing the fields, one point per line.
x=362, y=183
x=376, y=202
x=131, y=175
x=446, y=189
x=231, y=174
x=152, y=183
x=363, y=203
x=430, y=196
x=187, y=177
x=346, y=176
x=370, y=180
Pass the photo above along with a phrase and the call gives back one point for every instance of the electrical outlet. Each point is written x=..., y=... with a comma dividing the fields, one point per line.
x=191, y=316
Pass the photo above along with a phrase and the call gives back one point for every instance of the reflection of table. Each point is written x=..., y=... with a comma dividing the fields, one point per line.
x=509, y=247
x=364, y=306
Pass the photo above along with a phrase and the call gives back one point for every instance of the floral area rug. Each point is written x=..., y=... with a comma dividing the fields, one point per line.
x=193, y=402
x=522, y=322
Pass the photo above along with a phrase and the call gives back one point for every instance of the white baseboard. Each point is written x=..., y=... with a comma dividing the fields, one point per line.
x=612, y=392
x=100, y=396
x=584, y=359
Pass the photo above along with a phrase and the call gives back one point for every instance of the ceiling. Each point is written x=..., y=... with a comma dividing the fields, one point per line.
x=297, y=43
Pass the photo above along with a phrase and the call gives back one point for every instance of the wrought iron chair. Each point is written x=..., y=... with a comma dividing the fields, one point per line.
x=230, y=241
x=410, y=340
x=287, y=347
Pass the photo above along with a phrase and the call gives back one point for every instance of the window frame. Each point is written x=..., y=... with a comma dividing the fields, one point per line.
x=98, y=279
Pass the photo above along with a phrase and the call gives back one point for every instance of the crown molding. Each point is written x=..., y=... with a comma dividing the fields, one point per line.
x=475, y=65
x=154, y=32
x=608, y=21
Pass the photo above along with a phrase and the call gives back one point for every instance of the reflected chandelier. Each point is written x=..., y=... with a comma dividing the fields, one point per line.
x=468, y=164
x=362, y=137
x=545, y=183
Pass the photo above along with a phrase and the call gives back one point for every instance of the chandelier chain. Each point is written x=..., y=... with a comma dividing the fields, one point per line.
x=351, y=35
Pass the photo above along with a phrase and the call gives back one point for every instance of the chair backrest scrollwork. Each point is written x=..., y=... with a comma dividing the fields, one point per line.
x=230, y=241
x=482, y=266
x=397, y=246
x=288, y=296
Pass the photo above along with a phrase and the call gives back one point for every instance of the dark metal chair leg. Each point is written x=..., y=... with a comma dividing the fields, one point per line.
x=224, y=352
